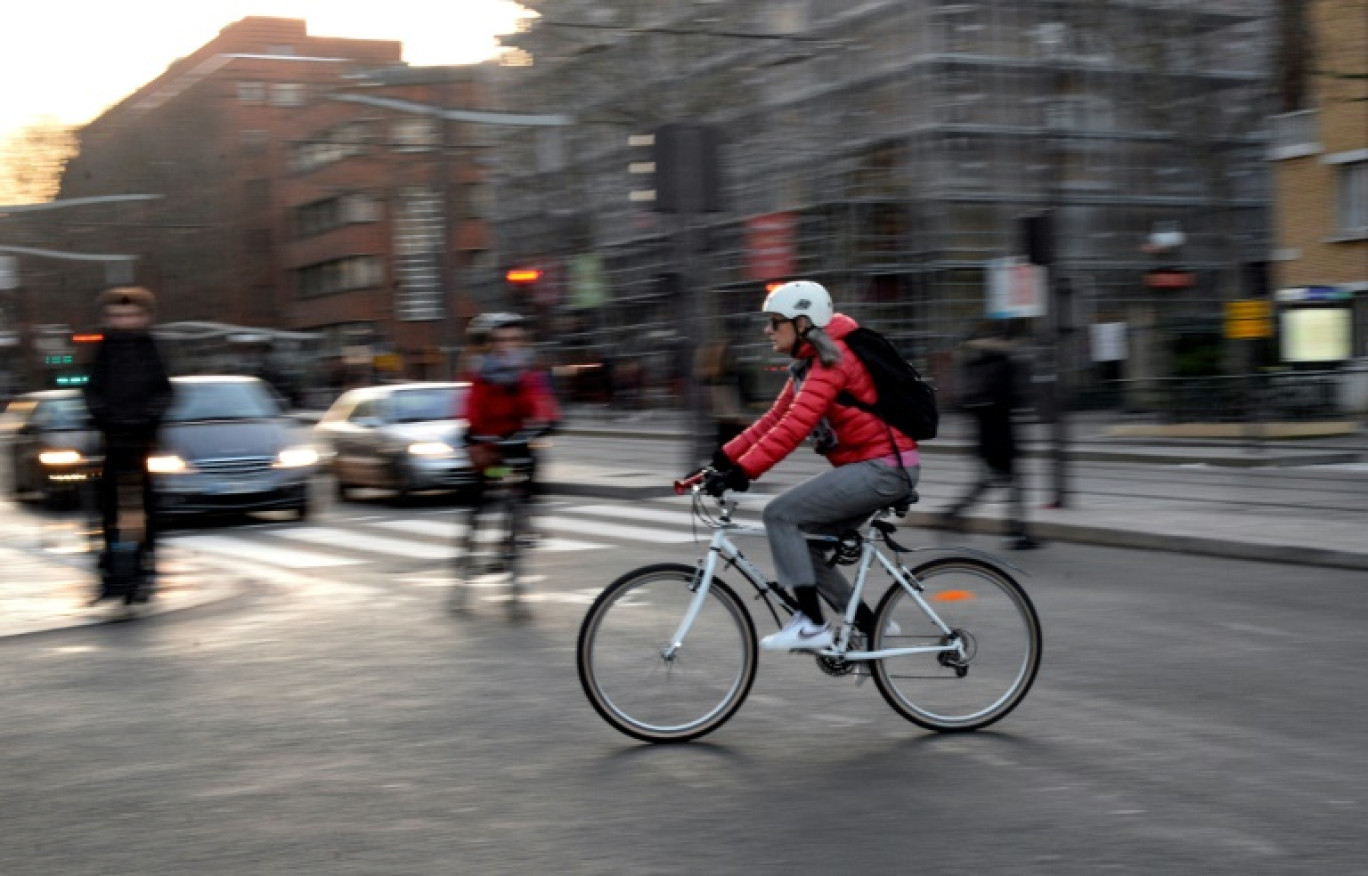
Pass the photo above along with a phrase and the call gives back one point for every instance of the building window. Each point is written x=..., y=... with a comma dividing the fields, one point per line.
x=341, y=275
x=287, y=94
x=1353, y=198
x=325, y=215
x=413, y=134
x=252, y=92
x=329, y=146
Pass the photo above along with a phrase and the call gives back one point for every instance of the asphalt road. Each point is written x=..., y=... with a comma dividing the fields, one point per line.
x=1192, y=716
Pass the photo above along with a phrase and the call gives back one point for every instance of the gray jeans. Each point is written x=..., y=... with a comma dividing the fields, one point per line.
x=830, y=503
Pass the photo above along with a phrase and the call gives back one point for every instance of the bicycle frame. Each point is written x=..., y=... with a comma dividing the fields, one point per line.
x=721, y=548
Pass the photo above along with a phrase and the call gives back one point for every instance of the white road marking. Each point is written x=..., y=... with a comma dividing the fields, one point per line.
x=350, y=539
x=605, y=530
x=231, y=546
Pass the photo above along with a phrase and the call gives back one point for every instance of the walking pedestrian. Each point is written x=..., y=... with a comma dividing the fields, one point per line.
x=128, y=394
x=990, y=389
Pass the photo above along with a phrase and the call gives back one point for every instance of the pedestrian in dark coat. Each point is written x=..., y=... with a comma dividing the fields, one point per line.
x=991, y=391
x=128, y=394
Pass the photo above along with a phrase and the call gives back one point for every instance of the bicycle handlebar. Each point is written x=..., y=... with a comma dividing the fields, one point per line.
x=685, y=485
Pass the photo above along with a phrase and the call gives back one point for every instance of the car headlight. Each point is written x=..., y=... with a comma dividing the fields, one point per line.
x=295, y=457
x=60, y=457
x=430, y=448
x=168, y=463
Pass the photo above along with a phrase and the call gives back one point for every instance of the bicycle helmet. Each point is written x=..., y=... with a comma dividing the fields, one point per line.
x=477, y=332
x=801, y=298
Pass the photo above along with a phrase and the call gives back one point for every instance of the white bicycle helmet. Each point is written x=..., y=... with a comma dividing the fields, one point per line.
x=801, y=298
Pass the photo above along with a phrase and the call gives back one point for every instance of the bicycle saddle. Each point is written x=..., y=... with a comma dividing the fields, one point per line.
x=903, y=505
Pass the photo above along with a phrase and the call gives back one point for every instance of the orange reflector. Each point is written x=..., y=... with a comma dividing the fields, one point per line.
x=953, y=596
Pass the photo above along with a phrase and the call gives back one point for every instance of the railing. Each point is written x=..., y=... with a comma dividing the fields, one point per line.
x=1288, y=396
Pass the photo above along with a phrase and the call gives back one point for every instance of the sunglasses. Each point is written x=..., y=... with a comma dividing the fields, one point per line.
x=776, y=321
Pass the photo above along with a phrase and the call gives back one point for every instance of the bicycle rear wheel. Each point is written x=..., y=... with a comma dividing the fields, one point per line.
x=989, y=613
x=633, y=681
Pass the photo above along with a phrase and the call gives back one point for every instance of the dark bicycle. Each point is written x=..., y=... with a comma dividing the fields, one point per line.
x=498, y=526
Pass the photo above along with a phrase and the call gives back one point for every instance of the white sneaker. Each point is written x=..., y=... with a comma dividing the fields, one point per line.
x=799, y=634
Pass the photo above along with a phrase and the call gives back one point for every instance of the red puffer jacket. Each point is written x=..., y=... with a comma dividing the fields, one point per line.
x=495, y=411
x=860, y=436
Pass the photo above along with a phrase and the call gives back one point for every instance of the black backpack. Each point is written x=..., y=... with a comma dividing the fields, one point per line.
x=905, y=401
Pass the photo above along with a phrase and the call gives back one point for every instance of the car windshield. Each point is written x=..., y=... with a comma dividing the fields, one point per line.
x=65, y=413
x=236, y=400
x=419, y=405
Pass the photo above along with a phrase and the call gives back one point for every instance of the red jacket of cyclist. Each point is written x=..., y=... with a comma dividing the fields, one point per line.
x=510, y=399
x=874, y=465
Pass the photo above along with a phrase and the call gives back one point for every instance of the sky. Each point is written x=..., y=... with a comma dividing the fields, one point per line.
x=71, y=59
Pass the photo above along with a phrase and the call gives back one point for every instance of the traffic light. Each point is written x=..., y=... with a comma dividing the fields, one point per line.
x=67, y=369
x=1037, y=238
x=681, y=164
x=522, y=276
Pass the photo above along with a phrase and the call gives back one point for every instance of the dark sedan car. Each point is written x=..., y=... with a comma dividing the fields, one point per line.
x=227, y=444
x=52, y=446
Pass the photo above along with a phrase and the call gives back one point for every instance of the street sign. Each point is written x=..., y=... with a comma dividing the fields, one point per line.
x=1249, y=318
x=1016, y=288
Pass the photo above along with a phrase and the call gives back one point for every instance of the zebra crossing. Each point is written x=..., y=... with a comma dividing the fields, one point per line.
x=430, y=538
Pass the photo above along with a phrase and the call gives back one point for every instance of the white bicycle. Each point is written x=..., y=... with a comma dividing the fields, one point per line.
x=668, y=652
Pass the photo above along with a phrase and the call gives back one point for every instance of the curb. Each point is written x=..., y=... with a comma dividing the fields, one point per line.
x=1071, y=533
x=1227, y=456
x=205, y=598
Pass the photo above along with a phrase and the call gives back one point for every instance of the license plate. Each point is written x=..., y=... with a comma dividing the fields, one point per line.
x=252, y=485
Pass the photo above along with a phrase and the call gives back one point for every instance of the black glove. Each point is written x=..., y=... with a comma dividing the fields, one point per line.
x=721, y=461
x=719, y=482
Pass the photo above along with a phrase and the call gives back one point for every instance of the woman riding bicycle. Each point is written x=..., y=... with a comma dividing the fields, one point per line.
x=875, y=466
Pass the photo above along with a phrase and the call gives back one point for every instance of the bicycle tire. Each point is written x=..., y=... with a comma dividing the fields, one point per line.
x=634, y=686
x=990, y=612
x=464, y=563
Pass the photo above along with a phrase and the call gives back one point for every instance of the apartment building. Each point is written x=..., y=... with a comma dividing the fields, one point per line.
x=1319, y=155
x=310, y=185
x=891, y=148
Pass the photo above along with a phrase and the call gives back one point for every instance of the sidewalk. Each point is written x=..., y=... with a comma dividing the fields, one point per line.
x=1295, y=501
x=1302, y=501
x=47, y=586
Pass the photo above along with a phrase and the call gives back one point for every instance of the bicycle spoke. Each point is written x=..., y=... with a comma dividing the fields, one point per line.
x=651, y=694
x=995, y=638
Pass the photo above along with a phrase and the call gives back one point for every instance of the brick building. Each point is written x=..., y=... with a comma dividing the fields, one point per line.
x=307, y=183
x=1320, y=159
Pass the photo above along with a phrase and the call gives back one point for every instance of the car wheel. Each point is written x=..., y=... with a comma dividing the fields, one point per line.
x=403, y=483
x=302, y=510
x=16, y=487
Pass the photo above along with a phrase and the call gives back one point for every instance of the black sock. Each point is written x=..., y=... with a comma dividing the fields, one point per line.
x=864, y=619
x=809, y=604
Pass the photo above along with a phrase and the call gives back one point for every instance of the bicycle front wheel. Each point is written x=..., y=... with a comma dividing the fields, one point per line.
x=644, y=686
x=992, y=621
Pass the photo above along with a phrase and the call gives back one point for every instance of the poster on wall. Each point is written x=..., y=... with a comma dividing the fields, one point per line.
x=1016, y=288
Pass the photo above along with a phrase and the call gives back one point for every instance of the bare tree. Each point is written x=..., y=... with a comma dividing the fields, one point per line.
x=32, y=160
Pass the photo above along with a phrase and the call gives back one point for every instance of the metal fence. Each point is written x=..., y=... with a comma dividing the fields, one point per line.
x=1287, y=396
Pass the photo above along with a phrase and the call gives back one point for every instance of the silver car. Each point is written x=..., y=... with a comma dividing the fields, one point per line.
x=404, y=437
x=227, y=445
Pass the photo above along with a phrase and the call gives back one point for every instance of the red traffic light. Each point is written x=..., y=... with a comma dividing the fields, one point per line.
x=523, y=276
x=87, y=339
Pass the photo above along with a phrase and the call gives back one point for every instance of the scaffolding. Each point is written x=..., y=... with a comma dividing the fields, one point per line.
x=905, y=138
